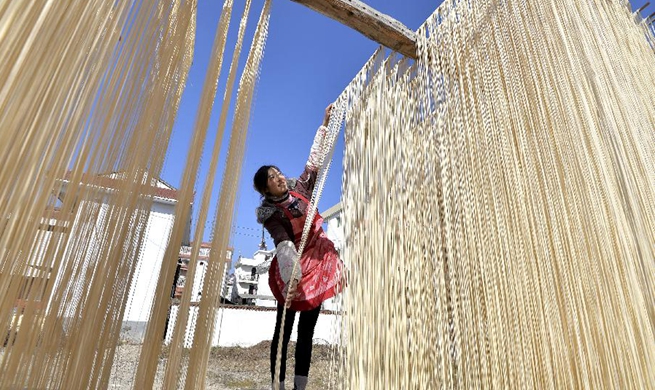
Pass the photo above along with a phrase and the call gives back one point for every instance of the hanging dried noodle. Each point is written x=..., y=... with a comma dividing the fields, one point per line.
x=499, y=199
x=89, y=94
x=498, y=195
x=79, y=100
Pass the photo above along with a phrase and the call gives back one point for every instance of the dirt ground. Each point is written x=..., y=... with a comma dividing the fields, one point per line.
x=232, y=368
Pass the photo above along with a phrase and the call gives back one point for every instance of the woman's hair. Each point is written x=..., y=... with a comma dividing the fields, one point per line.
x=260, y=181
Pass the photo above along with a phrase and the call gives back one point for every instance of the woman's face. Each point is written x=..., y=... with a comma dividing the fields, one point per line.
x=277, y=183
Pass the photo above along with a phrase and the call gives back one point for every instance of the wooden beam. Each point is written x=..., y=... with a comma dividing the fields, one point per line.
x=643, y=7
x=375, y=25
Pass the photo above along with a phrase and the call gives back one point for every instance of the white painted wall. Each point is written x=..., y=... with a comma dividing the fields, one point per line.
x=199, y=281
x=76, y=284
x=144, y=283
x=264, y=291
x=245, y=328
x=201, y=271
x=334, y=231
x=142, y=289
x=243, y=279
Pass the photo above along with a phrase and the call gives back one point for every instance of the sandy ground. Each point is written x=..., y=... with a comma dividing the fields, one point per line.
x=231, y=368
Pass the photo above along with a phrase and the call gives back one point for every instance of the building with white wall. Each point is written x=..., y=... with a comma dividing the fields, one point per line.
x=76, y=230
x=180, y=279
x=251, y=282
x=245, y=326
x=333, y=225
x=150, y=256
x=182, y=282
x=153, y=248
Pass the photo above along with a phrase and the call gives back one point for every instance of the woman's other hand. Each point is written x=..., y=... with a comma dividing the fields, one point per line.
x=328, y=112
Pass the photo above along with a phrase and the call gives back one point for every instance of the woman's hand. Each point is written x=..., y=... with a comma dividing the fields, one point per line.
x=328, y=112
x=292, y=292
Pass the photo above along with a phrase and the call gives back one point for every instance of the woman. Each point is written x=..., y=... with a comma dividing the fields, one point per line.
x=283, y=212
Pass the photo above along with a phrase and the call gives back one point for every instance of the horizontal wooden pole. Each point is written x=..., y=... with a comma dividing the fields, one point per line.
x=643, y=7
x=375, y=25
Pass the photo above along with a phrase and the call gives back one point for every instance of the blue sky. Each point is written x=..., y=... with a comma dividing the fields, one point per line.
x=308, y=62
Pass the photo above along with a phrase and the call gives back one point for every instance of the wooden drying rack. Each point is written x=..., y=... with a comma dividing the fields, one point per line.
x=375, y=25
x=382, y=28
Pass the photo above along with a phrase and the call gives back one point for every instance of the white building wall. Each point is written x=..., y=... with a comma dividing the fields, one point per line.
x=264, y=291
x=244, y=279
x=76, y=283
x=244, y=327
x=334, y=231
x=151, y=253
x=226, y=289
x=201, y=271
x=144, y=283
x=199, y=280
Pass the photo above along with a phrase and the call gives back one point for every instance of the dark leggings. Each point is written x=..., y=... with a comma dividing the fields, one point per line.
x=306, y=326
